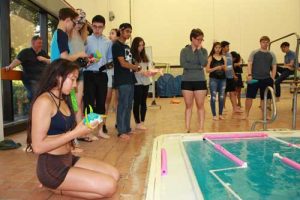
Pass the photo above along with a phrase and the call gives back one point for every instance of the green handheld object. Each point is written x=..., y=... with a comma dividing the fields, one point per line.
x=74, y=100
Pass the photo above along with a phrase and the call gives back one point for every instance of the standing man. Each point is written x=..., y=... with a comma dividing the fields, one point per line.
x=285, y=70
x=230, y=78
x=33, y=61
x=261, y=67
x=124, y=80
x=95, y=76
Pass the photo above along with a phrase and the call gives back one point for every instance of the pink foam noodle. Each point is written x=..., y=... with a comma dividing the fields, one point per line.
x=235, y=136
x=164, y=167
x=291, y=163
x=229, y=155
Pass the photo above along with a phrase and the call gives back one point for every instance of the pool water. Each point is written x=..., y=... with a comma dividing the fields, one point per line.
x=265, y=178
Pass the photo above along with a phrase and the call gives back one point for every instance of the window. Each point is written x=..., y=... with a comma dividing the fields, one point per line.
x=52, y=26
x=24, y=23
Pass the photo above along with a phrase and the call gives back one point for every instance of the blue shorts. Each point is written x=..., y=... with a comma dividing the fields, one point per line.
x=262, y=84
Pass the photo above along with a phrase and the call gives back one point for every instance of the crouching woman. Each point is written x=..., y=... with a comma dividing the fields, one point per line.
x=52, y=129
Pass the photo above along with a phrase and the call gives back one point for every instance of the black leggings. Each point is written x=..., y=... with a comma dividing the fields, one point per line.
x=140, y=102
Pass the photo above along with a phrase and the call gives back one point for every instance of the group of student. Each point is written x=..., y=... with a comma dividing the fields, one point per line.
x=54, y=126
x=225, y=76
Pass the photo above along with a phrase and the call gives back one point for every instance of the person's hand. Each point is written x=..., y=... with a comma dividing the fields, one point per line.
x=41, y=58
x=249, y=77
x=83, y=129
x=235, y=77
x=137, y=68
x=7, y=68
x=82, y=54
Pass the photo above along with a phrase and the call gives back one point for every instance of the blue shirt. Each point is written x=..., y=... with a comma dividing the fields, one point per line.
x=59, y=44
x=229, y=69
x=103, y=45
x=289, y=56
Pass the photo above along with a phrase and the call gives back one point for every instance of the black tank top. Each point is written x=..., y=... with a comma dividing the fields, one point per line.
x=218, y=74
x=60, y=123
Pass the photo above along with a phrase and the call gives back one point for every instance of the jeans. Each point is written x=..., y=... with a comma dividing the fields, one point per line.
x=284, y=74
x=217, y=86
x=124, y=108
x=139, y=104
x=31, y=87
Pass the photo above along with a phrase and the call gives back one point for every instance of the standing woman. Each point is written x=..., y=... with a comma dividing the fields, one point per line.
x=141, y=87
x=216, y=67
x=77, y=40
x=193, y=59
x=238, y=70
x=52, y=129
x=114, y=34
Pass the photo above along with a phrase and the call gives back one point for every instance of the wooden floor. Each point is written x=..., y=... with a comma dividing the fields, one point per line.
x=17, y=168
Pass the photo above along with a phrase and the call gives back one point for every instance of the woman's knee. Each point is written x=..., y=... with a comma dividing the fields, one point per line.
x=110, y=188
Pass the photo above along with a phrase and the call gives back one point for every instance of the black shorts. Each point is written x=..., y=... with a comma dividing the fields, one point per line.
x=239, y=82
x=193, y=85
x=53, y=169
x=262, y=84
x=230, y=85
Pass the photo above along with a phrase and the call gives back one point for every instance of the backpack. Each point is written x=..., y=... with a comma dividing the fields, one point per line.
x=165, y=85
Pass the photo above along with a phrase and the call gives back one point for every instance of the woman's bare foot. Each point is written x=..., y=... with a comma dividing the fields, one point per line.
x=200, y=131
x=221, y=117
x=215, y=118
x=238, y=110
x=124, y=137
x=140, y=126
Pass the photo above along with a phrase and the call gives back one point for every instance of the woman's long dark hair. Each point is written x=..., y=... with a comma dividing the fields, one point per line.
x=59, y=68
x=212, y=52
x=138, y=57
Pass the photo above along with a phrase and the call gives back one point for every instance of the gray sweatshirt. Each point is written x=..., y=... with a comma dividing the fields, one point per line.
x=193, y=63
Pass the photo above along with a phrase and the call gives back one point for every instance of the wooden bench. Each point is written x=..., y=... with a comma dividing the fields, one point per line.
x=11, y=74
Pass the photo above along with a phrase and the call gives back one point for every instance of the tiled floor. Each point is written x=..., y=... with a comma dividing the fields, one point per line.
x=17, y=168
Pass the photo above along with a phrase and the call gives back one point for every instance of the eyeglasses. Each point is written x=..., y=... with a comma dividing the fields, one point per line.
x=97, y=27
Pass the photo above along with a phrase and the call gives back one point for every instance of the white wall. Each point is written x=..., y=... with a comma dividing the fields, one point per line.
x=165, y=24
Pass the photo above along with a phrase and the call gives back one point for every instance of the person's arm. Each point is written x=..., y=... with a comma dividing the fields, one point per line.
x=72, y=57
x=291, y=64
x=224, y=67
x=127, y=65
x=274, y=66
x=185, y=63
x=13, y=64
x=209, y=69
x=41, y=142
x=43, y=59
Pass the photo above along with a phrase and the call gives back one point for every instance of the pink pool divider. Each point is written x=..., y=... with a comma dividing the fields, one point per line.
x=229, y=155
x=235, y=136
x=164, y=167
x=288, y=161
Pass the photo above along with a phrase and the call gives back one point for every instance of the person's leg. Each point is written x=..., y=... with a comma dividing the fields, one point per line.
x=79, y=96
x=145, y=90
x=221, y=92
x=107, y=103
x=284, y=75
x=200, y=99
x=130, y=95
x=137, y=103
x=213, y=85
x=188, y=96
x=101, y=92
x=88, y=184
x=89, y=89
x=123, y=101
x=98, y=166
x=238, y=96
x=250, y=95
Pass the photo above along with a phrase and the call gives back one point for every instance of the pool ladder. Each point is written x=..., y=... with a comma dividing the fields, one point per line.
x=274, y=110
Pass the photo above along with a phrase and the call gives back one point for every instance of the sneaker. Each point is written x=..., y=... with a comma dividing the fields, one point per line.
x=104, y=129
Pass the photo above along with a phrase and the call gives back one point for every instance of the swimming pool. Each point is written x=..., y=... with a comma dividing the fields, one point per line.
x=195, y=170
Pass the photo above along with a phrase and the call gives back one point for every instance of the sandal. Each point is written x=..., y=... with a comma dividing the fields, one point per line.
x=85, y=139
